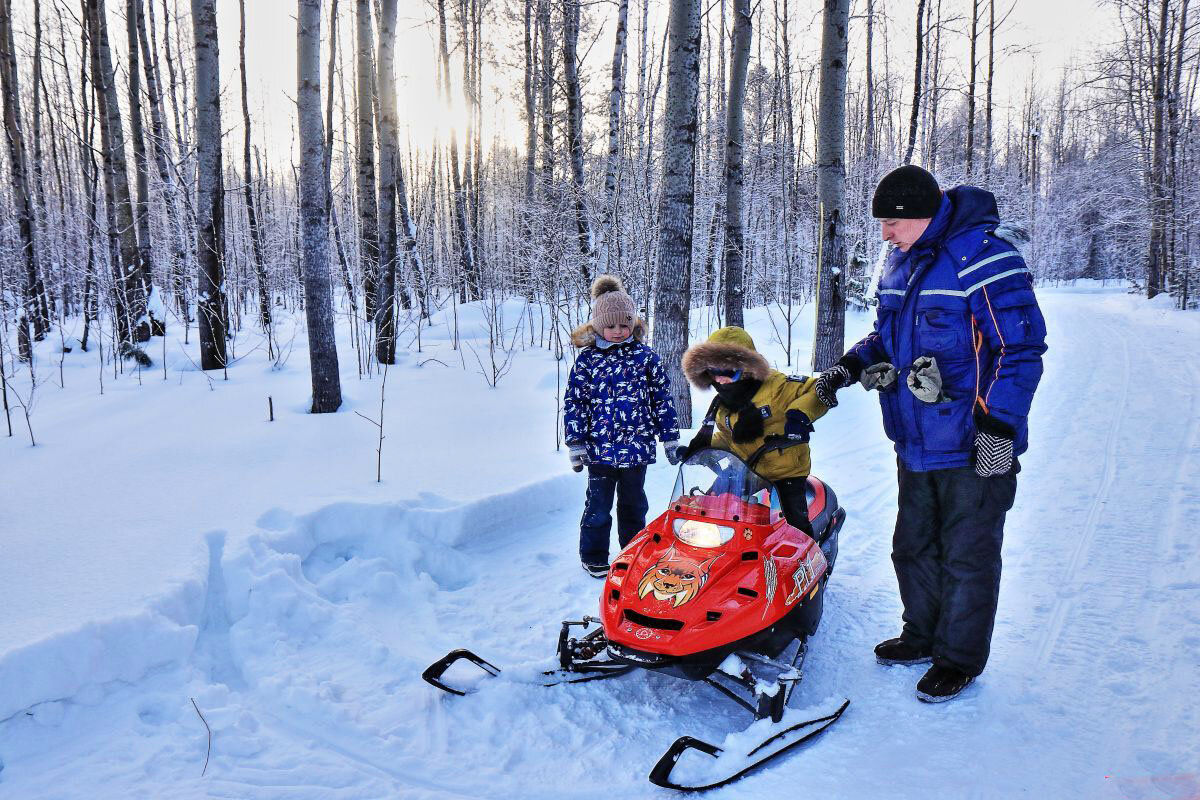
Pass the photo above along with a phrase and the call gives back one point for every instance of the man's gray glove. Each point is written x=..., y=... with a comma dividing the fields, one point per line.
x=579, y=456
x=672, y=449
x=880, y=376
x=829, y=381
x=925, y=380
x=993, y=446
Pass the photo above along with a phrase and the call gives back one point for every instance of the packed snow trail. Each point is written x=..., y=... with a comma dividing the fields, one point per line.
x=307, y=664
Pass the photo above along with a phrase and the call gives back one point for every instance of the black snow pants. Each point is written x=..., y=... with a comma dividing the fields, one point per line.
x=946, y=551
x=793, y=502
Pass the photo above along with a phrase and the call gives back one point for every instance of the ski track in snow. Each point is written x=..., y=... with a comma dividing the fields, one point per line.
x=308, y=641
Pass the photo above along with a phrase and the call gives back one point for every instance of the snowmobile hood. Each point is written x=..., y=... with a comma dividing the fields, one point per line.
x=666, y=595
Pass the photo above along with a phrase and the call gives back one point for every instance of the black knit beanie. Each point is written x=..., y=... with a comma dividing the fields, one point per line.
x=907, y=192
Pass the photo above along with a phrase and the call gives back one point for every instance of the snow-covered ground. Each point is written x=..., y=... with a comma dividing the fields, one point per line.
x=165, y=544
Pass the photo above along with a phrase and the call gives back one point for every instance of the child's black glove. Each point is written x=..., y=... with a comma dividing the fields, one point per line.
x=798, y=425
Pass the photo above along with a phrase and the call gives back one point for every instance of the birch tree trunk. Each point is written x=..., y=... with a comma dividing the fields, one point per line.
x=971, y=90
x=133, y=12
x=991, y=78
x=367, y=206
x=1157, y=265
x=256, y=244
x=672, y=296
x=166, y=176
x=210, y=204
x=132, y=324
x=464, y=235
x=389, y=145
x=829, y=340
x=734, y=173
x=616, y=95
x=318, y=299
x=869, y=134
x=916, y=103
x=587, y=255
x=19, y=172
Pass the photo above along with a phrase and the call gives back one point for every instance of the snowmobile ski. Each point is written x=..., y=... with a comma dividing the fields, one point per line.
x=578, y=661
x=774, y=746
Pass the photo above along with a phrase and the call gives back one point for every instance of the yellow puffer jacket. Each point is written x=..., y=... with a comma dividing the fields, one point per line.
x=732, y=348
x=778, y=395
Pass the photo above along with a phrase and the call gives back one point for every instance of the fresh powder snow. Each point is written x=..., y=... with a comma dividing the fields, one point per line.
x=174, y=564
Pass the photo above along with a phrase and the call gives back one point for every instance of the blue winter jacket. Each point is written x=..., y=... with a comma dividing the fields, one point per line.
x=617, y=400
x=965, y=296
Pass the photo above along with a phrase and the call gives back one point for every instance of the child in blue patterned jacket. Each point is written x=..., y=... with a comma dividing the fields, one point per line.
x=618, y=400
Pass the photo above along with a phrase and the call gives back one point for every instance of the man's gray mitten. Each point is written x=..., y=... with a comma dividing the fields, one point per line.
x=878, y=376
x=925, y=380
x=578, y=455
x=829, y=381
x=993, y=455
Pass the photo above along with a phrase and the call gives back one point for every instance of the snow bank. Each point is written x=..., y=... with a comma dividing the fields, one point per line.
x=278, y=589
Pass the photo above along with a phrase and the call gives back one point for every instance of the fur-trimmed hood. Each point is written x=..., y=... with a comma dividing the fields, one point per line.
x=585, y=334
x=700, y=358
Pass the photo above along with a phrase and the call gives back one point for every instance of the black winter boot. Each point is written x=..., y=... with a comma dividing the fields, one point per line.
x=902, y=651
x=942, y=683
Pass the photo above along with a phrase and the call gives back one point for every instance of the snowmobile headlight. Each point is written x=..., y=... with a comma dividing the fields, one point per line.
x=702, y=534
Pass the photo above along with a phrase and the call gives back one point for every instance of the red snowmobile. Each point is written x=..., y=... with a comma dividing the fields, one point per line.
x=719, y=589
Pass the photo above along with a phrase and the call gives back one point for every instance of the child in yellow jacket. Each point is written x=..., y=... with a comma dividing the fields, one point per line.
x=755, y=403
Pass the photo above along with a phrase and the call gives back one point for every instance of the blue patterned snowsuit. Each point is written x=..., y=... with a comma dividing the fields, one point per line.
x=617, y=401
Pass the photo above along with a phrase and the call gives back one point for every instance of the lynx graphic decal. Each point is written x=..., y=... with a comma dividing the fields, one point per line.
x=675, y=577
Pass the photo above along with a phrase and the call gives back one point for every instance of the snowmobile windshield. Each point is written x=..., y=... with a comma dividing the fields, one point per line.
x=718, y=485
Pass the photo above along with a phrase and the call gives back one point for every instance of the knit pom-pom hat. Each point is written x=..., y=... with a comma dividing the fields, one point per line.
x=611, y=304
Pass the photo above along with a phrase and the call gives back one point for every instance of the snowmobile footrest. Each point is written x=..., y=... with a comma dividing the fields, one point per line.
x=660, y=775
x=433, y=673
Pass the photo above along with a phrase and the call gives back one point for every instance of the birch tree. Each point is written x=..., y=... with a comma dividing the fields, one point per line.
x=35, y=303
x=368, y=212
x=318, y=296
x=389, y=136
x=616, y=96
x=829, y=340
x=672, y=297
x=734, y=172
x=587, y=253
x=256, y=243
x=916, y=101
x=128, y=276
x=210, y=204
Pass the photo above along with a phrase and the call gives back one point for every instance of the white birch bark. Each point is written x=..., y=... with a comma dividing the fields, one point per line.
x=318, y=295
x=829, y=339
x=210, y=205
x=672, y=296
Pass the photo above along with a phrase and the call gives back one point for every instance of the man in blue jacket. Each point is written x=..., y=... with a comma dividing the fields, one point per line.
x=956, y=355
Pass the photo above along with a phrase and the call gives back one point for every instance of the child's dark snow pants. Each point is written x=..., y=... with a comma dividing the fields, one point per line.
x=946, y=551
x=628, y=483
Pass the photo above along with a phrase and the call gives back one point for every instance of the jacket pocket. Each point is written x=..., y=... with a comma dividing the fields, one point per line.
x=941, y=331
x=1019, y=317
x=947, y=427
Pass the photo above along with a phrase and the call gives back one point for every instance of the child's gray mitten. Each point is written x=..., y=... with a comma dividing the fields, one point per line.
x=578, y=455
